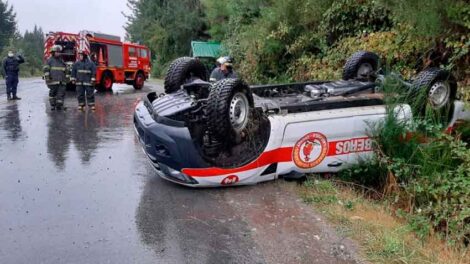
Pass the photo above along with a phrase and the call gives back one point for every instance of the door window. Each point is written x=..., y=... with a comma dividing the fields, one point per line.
x=132, y=52
x=143, y=53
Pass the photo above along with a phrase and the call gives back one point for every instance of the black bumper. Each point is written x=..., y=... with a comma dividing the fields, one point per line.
x=167, y=143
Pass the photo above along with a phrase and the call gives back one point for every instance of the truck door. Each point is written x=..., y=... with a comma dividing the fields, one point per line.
x=312, y=137
x=144, y=59
x=132, y=58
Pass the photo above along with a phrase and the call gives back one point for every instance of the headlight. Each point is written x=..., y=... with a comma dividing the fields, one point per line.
x=176, y=175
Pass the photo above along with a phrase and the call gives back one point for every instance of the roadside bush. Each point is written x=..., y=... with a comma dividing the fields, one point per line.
x=425, y=171
x=435, y=185
x=353, y=18
x=286, y=40
x=398, y=49
x=271, y=46
x=268, y=36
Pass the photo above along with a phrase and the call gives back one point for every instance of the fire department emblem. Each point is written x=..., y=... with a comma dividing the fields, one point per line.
x=310, y=150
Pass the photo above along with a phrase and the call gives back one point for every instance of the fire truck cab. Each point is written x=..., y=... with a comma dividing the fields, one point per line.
x=116, y=61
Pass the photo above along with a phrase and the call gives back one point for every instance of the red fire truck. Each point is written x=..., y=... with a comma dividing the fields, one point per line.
x=117, y=62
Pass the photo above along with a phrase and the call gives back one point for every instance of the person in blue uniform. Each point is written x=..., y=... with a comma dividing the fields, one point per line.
x=10, y=70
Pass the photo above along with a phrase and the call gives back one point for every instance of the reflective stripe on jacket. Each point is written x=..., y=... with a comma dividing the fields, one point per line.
x=55, y=71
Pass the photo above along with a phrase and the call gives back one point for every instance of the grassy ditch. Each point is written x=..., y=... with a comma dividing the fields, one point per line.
x=383, y=237
x=413, y=204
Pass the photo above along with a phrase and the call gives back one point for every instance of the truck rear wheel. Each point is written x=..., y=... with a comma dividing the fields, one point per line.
x=139, y=81
x=434, y=93
x=228, y=110
x=361, y=65
x=106, y=83
x=181, y=71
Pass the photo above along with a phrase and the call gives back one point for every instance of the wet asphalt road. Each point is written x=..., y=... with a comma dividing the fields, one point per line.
x=75, y=187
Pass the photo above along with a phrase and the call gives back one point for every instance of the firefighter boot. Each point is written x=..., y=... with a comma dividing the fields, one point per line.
x=52, y=102
x=60, y=107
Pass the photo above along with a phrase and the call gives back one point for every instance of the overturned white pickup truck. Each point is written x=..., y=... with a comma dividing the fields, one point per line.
x=227, y=133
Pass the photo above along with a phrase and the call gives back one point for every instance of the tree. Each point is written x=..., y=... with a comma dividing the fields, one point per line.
x=166, y=27
x=7, y=24
x=32, y=46
x=432, y=17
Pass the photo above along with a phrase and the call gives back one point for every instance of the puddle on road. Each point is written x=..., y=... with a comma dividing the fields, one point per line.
x=10, y=123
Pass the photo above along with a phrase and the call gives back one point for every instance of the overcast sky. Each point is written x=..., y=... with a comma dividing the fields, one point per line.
x=71, y=15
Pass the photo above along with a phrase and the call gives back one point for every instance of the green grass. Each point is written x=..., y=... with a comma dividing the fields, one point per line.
x=383, y=238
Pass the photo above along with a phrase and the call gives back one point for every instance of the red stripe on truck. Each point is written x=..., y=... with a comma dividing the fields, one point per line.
x=266, y=158
x=335, y=148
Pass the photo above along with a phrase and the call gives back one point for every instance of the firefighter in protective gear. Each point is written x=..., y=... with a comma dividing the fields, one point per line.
x=10, y=70
x=55, y=77
x=83, y=75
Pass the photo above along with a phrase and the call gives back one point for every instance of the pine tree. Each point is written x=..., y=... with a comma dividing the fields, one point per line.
x=167, y=27
x=7, y=24
x=31, y=44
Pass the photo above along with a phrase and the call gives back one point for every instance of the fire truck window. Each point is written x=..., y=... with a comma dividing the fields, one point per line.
x=132, y=52
x=114, y=56
x=143, y=53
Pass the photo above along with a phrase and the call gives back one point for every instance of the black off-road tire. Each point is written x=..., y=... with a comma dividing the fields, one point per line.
x=352, y=65
x=422, y=85
x=181, y=70
x=218, y=107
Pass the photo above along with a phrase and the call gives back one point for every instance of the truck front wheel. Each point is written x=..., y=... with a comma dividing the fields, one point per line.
x=139, y=81
x=106, y=83
x=228, y=109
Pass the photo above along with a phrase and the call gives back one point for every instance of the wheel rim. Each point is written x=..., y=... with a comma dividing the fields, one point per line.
x=439, y=95
x=365, y=69
x=107, y=82
x=239, y=109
